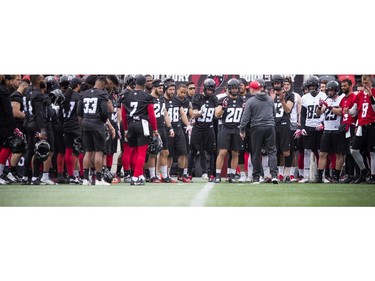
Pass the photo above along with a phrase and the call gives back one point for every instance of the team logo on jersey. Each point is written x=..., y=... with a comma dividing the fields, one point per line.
x=217, y=78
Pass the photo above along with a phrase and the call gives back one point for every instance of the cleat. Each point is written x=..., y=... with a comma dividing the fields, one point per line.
x=217, y=180
x=155, y=180
x=102, y=182
x=205, y=176
x=47, y=182
x=168, y=180
x=184, y=179
x=85, y=182
x=275, y=180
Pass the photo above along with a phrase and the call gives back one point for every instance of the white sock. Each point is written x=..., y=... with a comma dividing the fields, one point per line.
x=163, y=171
x=281, y=170
x=218, y=172
x=76, y=173
x=292, y=171
x=1, y=169
x=45, y=176
x=306, y=163
x=185, y=171
x=152, y=172
x=34, y=178
x=287, y=171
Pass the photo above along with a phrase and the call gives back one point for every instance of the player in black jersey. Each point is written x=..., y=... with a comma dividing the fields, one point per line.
x=7, y=124
x=163, y=121
x=16, y=99
x=39, y=127
x=93, y=112
x=137, y=116
x=71, y=128
x=182, y=91
x=284, y=102
x=203, y=134
x=177, y=144
x=230, y=109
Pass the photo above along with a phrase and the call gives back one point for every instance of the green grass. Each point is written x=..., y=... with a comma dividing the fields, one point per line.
x=223, y=194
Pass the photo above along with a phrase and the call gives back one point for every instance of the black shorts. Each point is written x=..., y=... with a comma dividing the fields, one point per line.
x=203, y=140
x=332, y=142
x=230, y=140
x=136, y=136
x=313, y=139
x=94, y=140
x=177, y=144
x=111, y=146
x=164, y=133
x=69, y=138
x=348, y=141
x=59, y=140
x=283, y=133
x=367, y=140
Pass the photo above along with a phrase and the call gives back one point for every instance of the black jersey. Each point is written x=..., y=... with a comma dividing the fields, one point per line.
x=159, y=107
x=233, y=111
x=207, y=104
x=136, y=103
x=281, y=116
x=173, y=107
x=92, y=107
x=39, y=108
x=113, y=117
x=70, y=116
x=18, y=97
x=186, y=106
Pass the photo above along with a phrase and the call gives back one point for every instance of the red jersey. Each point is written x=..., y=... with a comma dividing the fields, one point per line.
x=366, y=114
x=348, y=102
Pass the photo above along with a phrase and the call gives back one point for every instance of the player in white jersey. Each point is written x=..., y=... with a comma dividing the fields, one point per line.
x=332, y=140
x=311, y=127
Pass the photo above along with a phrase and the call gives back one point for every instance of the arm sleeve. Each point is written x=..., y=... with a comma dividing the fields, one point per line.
x=123, y=116
x=104, y=110
x=151, y=116
x=303, y=117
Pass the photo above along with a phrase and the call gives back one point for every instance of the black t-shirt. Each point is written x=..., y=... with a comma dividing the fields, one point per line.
x=206, y=120
x=71, y=116
x=18, y=97
x=136, y=103
x=233, y=112
x=173, y=107
x=92, y=106
x=159, y=107
x=281, y=115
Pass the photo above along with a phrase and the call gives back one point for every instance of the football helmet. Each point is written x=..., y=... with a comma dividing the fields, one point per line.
x=18, y=144
x=156, y=146
x=333, y=85
x=107, y=175
x=78, y=146
x=312, y=81
x=42, y=150
x=52, y=83
x=209, y=84
x=277, y=79
x=129, y=81
x=57, y=97
x=233, y=84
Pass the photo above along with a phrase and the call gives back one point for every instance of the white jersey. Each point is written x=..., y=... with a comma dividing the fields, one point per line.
x=311, y=104
x=332, y=121
x=294, y=112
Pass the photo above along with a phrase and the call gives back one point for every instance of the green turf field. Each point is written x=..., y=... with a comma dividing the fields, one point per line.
x=198, y=193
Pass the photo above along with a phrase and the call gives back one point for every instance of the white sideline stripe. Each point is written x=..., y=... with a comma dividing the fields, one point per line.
x=200, y=198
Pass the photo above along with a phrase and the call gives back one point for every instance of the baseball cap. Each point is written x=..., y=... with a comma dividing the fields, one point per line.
x=255, y=85
x=157, y=83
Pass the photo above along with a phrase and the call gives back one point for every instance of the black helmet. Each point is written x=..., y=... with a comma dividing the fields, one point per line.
x=233, y=83
x=65, y=81
x=312, y=81
x=169, y=82
x=156, y=146
x=52, y=83
x=78, y=146
x=42, y=149
x=57, y=97
x=277, y=78
x=129, y=81
x=107, y=175
x=209, y=84
x=333, y=85
x=18, y=144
